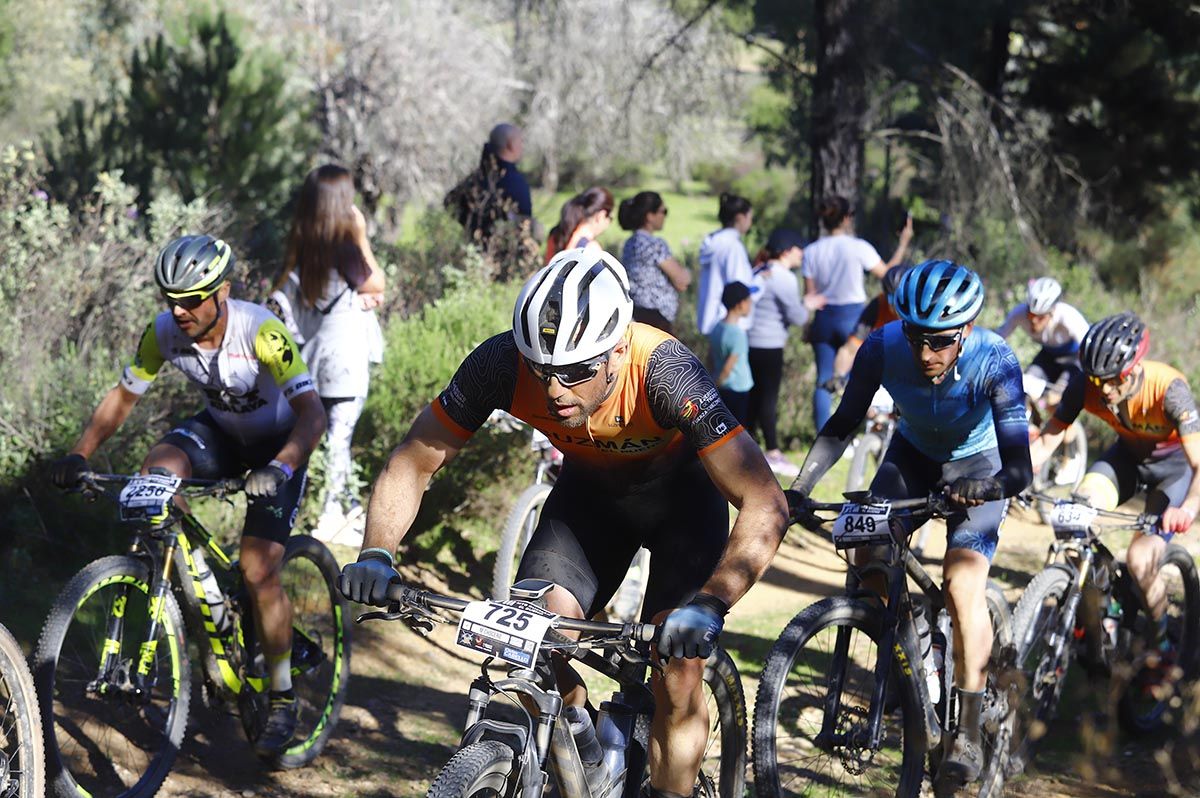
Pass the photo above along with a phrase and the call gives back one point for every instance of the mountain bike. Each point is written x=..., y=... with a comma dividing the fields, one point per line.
x=855, y=693
x=113, y=668
x=22, y=764
x=503, y=758
x=522, y=520
x=1084, y=605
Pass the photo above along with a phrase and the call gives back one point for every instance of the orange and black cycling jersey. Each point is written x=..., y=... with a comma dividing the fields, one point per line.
x=877, y=313
x=663, y=408
x=1153, y=420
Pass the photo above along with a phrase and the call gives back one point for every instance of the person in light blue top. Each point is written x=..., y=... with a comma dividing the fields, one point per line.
x=723, y=260
x=730, y=349
x=835, y=266
x=962, y=433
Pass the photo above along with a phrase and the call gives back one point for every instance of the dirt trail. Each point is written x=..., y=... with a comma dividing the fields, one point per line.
x=407, y=697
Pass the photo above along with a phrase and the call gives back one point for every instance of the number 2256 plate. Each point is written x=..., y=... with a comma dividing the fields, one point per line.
x=507, y=630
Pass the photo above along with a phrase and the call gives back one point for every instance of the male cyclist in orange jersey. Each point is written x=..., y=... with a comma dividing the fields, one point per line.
x=1151, y=408
x=651, y=457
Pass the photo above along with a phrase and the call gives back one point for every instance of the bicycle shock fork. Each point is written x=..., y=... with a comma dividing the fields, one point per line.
x=158, y=595
x=1066, y=623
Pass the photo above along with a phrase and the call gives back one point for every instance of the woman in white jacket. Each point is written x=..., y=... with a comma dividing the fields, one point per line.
x=331, y=281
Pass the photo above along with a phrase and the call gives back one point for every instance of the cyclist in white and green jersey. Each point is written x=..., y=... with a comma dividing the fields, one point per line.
x=261, y=414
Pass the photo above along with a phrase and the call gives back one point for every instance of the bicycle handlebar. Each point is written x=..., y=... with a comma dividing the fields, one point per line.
x=935, y=504
x=401, y=593
x=91, y=480
x=1134, y=520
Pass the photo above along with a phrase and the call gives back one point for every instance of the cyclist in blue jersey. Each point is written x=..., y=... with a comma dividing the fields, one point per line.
x=962, y=430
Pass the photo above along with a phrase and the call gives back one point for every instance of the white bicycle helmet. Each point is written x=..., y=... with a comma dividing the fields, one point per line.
x=575, y=309
x=1044, y=292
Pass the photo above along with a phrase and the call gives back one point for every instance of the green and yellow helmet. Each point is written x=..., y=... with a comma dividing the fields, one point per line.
x=193, y=266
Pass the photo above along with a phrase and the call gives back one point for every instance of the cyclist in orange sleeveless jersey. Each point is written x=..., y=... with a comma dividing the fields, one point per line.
x=651, y=457
x=1151, y=408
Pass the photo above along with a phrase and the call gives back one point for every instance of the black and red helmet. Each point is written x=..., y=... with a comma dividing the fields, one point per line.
x=1113, y=346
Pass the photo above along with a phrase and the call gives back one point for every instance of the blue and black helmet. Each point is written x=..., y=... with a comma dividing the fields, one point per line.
x=939, y=295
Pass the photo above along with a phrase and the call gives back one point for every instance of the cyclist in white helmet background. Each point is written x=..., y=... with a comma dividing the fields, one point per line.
x=652, y=457
x=1058, y=328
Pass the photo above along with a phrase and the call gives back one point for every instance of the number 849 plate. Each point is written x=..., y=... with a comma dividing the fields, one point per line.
x=862, y=525
x=509, y=630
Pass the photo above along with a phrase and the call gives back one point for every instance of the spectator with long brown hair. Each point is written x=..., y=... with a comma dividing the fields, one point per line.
x=331, y=281
x=582, y=220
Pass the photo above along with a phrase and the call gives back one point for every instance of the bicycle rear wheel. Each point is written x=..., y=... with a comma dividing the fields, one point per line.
x=865, y=462
x=723, y=769
x=1146, y=704
x=102, y=736
x=320, y=652
x=791, y=754
x=518, y=529
x=22, y=765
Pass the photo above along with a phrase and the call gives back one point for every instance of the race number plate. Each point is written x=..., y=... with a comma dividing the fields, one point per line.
x=147, y=497
x=862, y=525
x=509, y=630
x=1071, y=520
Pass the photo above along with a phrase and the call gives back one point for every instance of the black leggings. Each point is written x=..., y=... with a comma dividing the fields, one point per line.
x=766, y=367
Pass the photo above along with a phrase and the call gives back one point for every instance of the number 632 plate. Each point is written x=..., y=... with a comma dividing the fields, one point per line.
x=509, y=630
x=862, y=525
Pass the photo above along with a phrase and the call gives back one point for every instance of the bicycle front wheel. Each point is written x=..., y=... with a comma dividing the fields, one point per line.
x=798, y=750
x=518, y=529
x=320, y=647
x=1038, y=616
x=481, y=770
x=723, y=769
x=22, y=765
x=108, y=730
x=999, y=705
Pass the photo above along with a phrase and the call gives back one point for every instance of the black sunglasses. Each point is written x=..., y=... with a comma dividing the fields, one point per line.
x=568, y=376
x=935, y=341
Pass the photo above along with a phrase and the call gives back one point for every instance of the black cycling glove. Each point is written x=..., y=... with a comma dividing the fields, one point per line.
x=799, y=511
x=366, y=581
x=65, y=471
x=971, y=491
x=266, y=481
x=692, y=630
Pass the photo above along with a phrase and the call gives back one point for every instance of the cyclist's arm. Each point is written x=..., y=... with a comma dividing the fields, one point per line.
x=1179, y=405
x=396, y=496
x=741, y=473
x=865, y=378
x=1011, y=321
x=1012, y=427
x=682, y=396
x=484, y=382
x=1055, y=430
x=118, y=403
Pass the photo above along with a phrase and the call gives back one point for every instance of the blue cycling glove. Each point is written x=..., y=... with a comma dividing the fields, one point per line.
x=692, y=630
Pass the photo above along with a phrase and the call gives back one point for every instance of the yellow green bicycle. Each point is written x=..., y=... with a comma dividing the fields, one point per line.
x=113, y=670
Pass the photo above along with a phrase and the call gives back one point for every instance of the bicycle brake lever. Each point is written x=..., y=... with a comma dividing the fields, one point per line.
x=380, y=615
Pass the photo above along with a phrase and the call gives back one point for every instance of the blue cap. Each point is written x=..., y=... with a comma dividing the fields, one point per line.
x=782, y=240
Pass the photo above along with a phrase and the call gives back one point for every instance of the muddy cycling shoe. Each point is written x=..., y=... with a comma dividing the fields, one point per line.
x=280, y=727
x=961, y=765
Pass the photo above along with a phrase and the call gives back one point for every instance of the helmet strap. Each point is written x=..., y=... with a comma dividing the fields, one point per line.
x=217, y=318
x=953, y=367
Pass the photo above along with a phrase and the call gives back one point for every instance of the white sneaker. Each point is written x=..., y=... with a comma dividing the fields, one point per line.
x=329, y=524
x=782, y=466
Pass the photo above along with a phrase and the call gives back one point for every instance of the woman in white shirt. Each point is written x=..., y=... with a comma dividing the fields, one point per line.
x=834, y=267
x=331, y=282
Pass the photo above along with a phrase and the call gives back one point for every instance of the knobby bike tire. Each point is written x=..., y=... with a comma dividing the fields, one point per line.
x=867, y=454
x=1158, y=719
x=20, y=722
x=481, y=769
x=1038, y=709
x=999, y=699
x=831, y=612
x=721, y=677
x=112, y=570
x=512, y=538
x=325, y=702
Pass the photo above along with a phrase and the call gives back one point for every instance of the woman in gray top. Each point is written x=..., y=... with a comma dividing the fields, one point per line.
x=779, y=307
x=656, y=278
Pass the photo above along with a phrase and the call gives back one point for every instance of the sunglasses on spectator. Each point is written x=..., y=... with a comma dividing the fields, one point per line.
x=568, y=376
x=935, y=341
